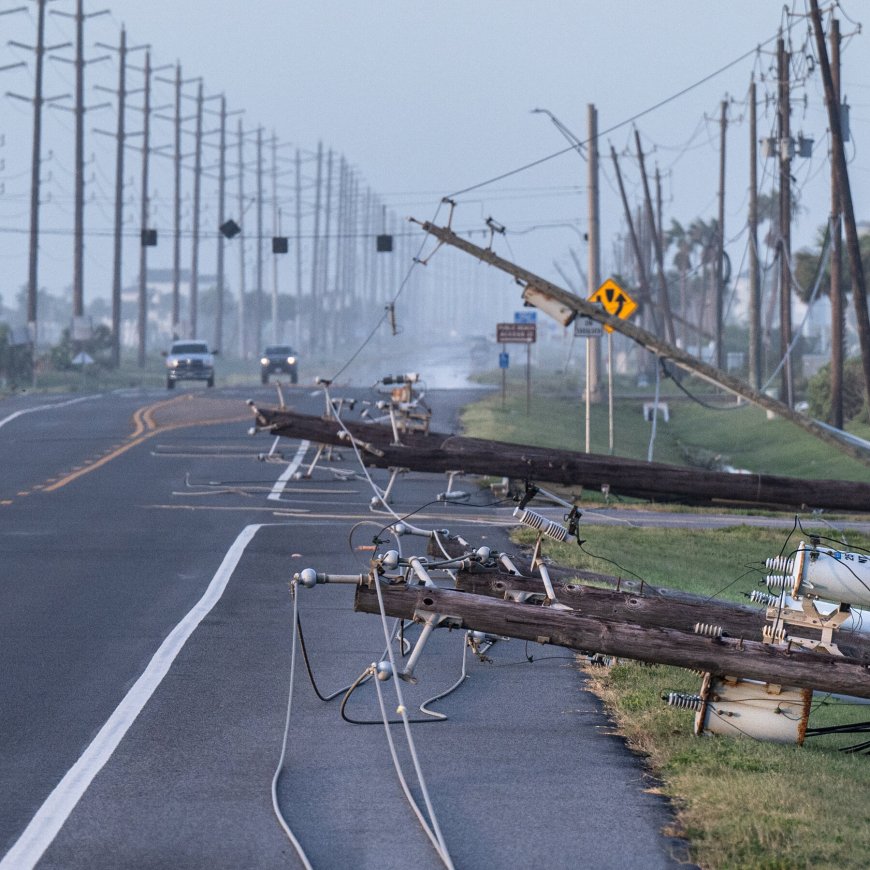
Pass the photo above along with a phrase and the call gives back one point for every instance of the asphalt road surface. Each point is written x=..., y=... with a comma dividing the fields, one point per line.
x=146, y=637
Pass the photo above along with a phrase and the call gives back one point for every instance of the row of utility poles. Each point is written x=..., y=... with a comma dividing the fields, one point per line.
x=343, y=211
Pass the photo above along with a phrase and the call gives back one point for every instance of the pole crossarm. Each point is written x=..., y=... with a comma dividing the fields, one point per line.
x=572, y=305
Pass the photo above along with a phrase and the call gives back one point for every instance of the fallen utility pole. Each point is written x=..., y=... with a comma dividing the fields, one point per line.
x=661, y=608
x=574, y=630
x=438, y=453
x=565, y=306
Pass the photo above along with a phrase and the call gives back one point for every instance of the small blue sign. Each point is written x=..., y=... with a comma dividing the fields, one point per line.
x=525, y=316
x=504, y=359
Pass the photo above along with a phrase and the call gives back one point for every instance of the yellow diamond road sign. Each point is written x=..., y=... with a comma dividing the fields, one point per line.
x=614, y=300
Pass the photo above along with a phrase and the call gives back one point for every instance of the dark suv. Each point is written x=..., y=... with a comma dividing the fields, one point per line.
x=279, y=358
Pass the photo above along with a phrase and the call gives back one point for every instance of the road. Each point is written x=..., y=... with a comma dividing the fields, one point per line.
x=146, y=640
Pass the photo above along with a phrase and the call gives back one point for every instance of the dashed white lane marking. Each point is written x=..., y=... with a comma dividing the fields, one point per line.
x=289, y=471
x=52, y=815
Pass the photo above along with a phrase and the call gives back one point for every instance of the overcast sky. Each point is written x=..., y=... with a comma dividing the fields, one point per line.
x=426, y=99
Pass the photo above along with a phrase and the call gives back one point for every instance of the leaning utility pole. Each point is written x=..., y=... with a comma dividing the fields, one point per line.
x=635, y=242
x=784, y=245
x=859, y=290
x=755, y=362
x=720, y=242
x=837, y=318
x=564, y=307
x=657, y=244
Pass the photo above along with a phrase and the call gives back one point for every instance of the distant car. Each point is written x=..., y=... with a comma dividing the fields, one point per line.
x=189, y=361
x=279, y=358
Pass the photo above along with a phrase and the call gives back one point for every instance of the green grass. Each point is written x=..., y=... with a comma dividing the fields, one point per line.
x=742, y=437
x=739, y=802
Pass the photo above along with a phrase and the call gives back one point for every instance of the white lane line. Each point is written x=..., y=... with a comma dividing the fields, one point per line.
x=289, y=471
x=52, y=815
x=12, y=417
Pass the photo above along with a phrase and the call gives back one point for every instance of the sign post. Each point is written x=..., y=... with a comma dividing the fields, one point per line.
x=586, y=327
x=519, y=333
x=617, y=303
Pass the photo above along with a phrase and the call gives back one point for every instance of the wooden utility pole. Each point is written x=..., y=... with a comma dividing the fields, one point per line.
x=656, y=239
x=120, y=148
x=755, y=362
x=243, y=336
x=538, y=291
x=650, y=607
x=836, y=229
x=197, y=192
x=276, y=231
x=594, y=241
x=316, y=301
x=142, y=319
x=324, y=334
x=859, y=288
x=177, y=162
x=78, y=307
x=299, y=291
x=784, y=245
x=221, y=239
x=635, y=243
x=38, y=101
x=438, y=452
x=574, y=629
x=720, y=243
x=258, y=292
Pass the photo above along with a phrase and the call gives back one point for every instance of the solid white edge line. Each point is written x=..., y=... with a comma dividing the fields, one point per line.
x=58, y=806
x=289, y=471
x=23, y=411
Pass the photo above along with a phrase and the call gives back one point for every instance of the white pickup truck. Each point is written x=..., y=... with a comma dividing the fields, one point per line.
x=189, y=360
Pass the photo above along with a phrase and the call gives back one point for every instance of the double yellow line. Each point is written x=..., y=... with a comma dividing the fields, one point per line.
x=144, y=427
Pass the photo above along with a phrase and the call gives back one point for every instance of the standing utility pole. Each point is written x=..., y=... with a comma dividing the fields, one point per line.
x=594, y=238
x=36, y=163
x=221, y=240
x=258, y=292
x=837, y=313
x=120, y=146
x=243, y=344
x=142, y=317
x=276, y=231
x=784, y=130
x=79, y=207
x=298, y=318
x=755, y=363
x=197, y=191
x=177, y=120
x=859, y=289
x=720, y=242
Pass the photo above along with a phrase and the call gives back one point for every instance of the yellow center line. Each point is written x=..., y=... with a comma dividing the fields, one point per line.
x=134, y=442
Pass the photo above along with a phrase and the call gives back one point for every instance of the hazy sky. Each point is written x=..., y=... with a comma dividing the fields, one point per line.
x=425, y=99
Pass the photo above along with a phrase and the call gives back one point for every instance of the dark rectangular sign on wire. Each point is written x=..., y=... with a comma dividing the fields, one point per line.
x=516, y=333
